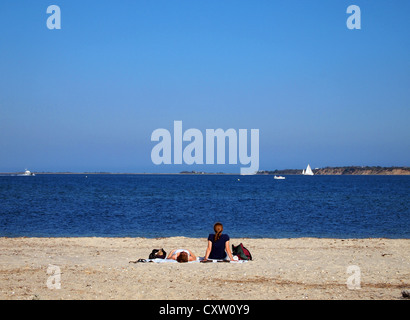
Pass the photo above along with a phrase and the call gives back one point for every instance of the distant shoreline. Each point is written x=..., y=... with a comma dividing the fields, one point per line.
x=349, y=170
x=123, y=173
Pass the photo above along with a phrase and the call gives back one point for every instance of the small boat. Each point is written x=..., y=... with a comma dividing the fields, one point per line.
x=279, y=178
x=27, y=173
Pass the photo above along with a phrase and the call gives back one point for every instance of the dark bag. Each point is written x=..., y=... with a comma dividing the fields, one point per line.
x=241, y=252
x=157, y=254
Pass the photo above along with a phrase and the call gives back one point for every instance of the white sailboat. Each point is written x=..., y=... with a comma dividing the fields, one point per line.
x=308, y=171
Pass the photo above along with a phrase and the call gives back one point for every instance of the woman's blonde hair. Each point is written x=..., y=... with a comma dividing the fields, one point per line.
x=218, y=228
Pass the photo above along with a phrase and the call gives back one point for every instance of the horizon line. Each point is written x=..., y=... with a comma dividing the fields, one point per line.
x=185, y=172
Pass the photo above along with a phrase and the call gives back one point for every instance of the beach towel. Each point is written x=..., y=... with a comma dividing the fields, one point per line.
x=198, y=259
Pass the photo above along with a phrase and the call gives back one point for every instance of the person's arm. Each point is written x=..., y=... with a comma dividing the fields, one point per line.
x=192, y=257
x=228, y=250
x=208, y=250
x=170, y=254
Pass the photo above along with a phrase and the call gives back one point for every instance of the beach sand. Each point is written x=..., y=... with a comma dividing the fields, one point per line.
x=301, y=268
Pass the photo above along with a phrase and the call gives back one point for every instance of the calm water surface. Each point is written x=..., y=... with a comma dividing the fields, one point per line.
x=188, y=205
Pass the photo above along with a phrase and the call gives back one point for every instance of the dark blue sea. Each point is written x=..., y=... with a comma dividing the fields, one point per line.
x=188, y=205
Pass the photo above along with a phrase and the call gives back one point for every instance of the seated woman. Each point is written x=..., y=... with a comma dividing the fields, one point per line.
x=218, y=245
x=181, y=255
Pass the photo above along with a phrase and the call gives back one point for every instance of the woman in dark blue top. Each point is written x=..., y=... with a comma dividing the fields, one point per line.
x=218, y=244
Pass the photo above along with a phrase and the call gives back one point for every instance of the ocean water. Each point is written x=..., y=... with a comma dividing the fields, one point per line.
x=188, y=205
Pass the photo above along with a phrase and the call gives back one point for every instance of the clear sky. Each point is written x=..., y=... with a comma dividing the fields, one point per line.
x=88, y=96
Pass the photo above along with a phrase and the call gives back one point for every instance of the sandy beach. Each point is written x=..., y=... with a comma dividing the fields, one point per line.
x=297, y=269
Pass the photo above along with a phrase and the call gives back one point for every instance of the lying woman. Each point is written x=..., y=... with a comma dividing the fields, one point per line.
x=181, y=255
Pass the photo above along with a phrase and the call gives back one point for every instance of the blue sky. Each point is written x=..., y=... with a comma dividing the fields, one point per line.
x=87, y=97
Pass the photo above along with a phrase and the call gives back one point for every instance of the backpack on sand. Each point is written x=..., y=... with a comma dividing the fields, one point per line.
x=157, y=254
x=241, y=252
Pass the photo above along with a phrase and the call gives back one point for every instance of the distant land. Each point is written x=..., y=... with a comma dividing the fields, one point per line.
x=351, y=170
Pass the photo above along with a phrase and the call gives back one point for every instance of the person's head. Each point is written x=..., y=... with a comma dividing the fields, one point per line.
x=182, y=257
x=218, y=228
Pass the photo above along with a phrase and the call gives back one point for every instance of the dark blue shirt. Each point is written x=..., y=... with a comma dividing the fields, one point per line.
x=218, y=246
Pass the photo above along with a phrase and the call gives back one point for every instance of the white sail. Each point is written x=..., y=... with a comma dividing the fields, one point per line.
x=303, y=171
x=308, y=171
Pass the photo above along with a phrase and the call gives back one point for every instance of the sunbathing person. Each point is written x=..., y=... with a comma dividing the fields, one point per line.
x=181, y=255
x=218, y=245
